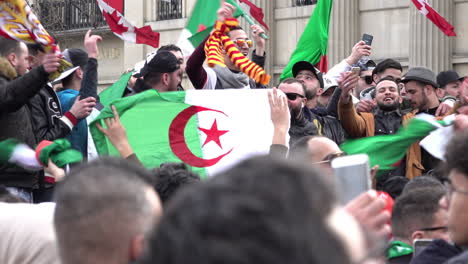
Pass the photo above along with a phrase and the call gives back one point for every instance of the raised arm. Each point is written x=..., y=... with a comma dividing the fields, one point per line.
x=352, y=122
x=90, y=77
x=16, y=93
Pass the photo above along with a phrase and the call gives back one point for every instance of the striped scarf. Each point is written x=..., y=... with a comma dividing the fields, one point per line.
x=219, y=40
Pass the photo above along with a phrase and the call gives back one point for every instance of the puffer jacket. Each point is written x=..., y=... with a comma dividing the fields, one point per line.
x=15, y=117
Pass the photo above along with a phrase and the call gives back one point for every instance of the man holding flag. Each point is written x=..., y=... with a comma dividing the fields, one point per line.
x=17, y=87
x=228, y=75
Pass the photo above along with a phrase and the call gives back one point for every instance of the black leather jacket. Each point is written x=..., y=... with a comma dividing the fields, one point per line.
x=15, y=118
x=45, y=114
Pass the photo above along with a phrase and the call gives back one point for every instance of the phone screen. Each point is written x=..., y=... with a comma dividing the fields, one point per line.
x=367, y=39
x=352, y=175
x=420, y=244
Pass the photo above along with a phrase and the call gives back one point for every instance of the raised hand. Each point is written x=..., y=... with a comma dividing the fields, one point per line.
x=359, y=50
x=90, y=44
x=347, y=82
x=50, y=62
x=116, y=134
x=83, y=108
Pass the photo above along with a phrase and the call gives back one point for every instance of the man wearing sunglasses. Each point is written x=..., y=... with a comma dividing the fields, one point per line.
x=365, y=78
x=300, y=127
x=230, y=76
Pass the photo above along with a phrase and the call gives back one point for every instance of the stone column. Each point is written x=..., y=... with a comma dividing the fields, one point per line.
x=344, y=30
x=429, y=46
x=267, y=6
x=134, y=12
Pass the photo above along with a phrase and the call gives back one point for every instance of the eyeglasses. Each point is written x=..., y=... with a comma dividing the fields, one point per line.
x=242, y=42
x=451, y=189
x=445, y=228
x=330, y=157
x=367, y=79
x=293, y=96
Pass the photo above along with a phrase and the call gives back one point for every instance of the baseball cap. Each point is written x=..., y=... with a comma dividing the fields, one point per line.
x=420, y=74
x=445, y=77
x=328, y=83
x=76, y=57
x=162, y=62
x=305, y=65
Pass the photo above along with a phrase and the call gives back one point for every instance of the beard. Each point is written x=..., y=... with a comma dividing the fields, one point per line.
x=310, y=94
x=388, y=107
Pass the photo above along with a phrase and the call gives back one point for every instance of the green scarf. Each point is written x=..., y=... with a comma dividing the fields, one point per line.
x=398, y=249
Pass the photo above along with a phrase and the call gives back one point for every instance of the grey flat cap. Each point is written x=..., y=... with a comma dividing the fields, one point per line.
x=421, y=74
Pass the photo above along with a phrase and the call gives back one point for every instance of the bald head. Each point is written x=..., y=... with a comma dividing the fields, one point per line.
x=320, y=147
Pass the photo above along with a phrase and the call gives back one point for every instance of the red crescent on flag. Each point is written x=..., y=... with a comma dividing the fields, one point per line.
x=178, y=143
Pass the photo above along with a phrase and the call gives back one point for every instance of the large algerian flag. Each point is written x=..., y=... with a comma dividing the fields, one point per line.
x=206, y=129
x=313, y=44
x=201, y=23
x=388, y=150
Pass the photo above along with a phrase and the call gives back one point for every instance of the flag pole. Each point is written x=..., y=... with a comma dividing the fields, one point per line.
x=251, y=22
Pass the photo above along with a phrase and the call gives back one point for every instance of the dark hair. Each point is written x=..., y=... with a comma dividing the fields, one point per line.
x=169, y=47
x=293, y=81
x=101, y=206
x=455, y=154
x=171, y=177
x=415, y=210
x=263, y=210
x=387, y=78
x=8, y=46
x=34, y=49
x=423, y=182
x=386, y=64
x=8, y=197
x=234, y=28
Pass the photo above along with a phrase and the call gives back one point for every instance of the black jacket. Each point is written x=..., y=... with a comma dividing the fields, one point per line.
x=460, y=259
x=438, y=251
x=15, y=118
x=46, y=115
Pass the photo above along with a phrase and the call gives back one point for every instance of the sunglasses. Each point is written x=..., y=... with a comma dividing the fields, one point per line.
x=434, y=228
x=367, y=79
x=293, y=96
x=242, y=42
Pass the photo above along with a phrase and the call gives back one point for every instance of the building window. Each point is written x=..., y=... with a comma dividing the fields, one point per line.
x=169, y=9
x=63, y=15
x=304, y=2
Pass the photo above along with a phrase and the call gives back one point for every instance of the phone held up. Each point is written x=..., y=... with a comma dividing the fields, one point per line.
x=352, y=175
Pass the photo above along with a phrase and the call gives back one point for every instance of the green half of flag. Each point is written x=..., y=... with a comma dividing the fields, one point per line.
x=154, y=135
x=204, y=17
x=116, y=90
x=388, y=150
x=397, y=249
x=313, y=44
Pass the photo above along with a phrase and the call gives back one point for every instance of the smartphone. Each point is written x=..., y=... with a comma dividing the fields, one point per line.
x=352, y=176
x=367, y=39
x=356, y=70
x=419, y=245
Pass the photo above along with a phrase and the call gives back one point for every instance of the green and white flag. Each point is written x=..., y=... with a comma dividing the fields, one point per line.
x=208, y=130
x=201, y=23
x=387, y=151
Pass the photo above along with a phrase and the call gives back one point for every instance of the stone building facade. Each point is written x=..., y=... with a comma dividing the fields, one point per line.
x=399, y=31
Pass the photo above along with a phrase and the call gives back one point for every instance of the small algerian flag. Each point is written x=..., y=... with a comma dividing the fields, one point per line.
x=201, y=23
x=59, y=151
x=388, y=150
x=208, y=130
x=313, y=44
x=397, y=249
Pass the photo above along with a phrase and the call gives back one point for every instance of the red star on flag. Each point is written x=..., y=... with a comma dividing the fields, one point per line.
x=213, y=134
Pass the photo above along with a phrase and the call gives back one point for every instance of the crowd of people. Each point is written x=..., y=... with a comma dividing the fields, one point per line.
x=279, y=208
